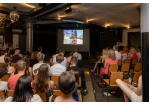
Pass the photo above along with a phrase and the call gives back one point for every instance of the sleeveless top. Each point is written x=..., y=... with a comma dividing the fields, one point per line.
x=49, y=93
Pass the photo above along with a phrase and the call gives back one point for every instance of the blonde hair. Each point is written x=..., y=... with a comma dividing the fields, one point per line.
x=104, y=53
x=40, y=56
x=34, y=55
x=133, y=50
x=111, y=54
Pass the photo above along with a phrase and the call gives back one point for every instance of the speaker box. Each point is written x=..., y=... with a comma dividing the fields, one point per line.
x=119, y=34
x=8, y=34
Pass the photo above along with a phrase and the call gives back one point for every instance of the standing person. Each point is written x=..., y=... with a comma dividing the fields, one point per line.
x=58, y=68
x=16, y=57
x=42, y=83
x=133, y=55
x=81, y=74
x=126, y=54
x=3, y=54
x=117, y=54
x=33, y=58
x=78, y=56
x=66, y=83
x=139, y=54
x=23, y=91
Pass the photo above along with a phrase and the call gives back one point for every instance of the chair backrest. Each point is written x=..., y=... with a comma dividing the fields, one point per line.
x=114, y=76
x=138, y=66
x=54, y=78
x=134, y=61
x=79, y=82
x=10, y=93
x=1, y=64
x=136, y=76
x=5, y=78
x=2, y=94
x=13, y=64
x=57, y=92
x=127, y=61
x=42, y=95
x=125, y=67
x=140, y=60
x=35, y=77
x=119, y=62
x=48, y=63
x=113, y=68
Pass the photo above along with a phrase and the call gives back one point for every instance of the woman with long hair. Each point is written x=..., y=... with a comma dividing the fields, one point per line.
x=42, y=83
x=23, y=91
x=33, y=58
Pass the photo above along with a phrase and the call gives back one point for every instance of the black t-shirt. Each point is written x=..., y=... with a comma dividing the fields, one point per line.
x=15, y=58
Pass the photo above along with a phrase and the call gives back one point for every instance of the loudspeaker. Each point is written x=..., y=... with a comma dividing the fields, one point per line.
x=119, y=34
x=8, y=34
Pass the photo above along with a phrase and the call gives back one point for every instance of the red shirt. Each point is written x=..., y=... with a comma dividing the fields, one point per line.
x=12, y=81
x=134, y=56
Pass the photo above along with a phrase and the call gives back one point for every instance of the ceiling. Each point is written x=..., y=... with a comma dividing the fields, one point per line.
x=103, y=14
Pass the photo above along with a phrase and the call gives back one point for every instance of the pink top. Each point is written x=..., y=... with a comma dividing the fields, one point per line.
x=109, y=62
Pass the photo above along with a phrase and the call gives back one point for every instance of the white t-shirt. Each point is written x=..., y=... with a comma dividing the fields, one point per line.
x=118, y=55
x=57, y=69
x=77, y=55
x=2, y=59
x=37, y=65
x=3, y=85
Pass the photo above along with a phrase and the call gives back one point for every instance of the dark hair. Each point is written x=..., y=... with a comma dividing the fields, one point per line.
x=71, y=53
x=23, y=90
x=3, y=71
x=26, y=59
x=40, y=48
x=139, y=48
x=59, y=58
x=27, y=53
x=7, y=60
x=120, y=48
x=66, y=82
x=42, y=81
x=3, y=51
x=57, y=50
x=76, y=73
x=61, y=51
x=74, y=60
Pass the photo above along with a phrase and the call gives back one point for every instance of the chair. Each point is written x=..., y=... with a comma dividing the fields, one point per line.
x=137, y=68
x=134, y=61
x=42, y=95
x=125, y=69
x=13, y=64
x=2, y=94
x=57, y=92
x=119, y=62
x=48, y=63
x=10, y=93
x=5, y=78
x=127, y=61
x=113, y=68
x=111, y=82
x=35, y=77
x=1, y=64
x=54, y=78
x=135, y=78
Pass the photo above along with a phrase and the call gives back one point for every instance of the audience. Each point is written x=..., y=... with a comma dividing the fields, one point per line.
x=66, y=83
x=78, y=56
x=81, y=73
x=23, y=91
x=110, y=60
x=3, y=54
x=20, y=66
x=40, y=58
x=133, y=55
x=33, y=58
x=117, y=54
x=42, y=83
x=3, y=84
x=16, y=57
x=58, y=68
x=139, y=54
x=129, y=92
x=126, y=54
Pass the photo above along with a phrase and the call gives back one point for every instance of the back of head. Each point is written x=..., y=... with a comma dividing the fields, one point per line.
x=59, y=58
x=7, y=60
x=76, y=73
x=66, y=82
x=34, y=55
x=74, y=60
x=17, y=52
x=57, y=50
x=115, y=48
x=42, y=81
x=71, y=53
x=23, y=90
x=20, y=65
x=132, y=50
x=111, y=54
x=61, y=51
x=40, y=48
x=75, y=50
x=3, y=71
x=40, y=57
x=27, y=53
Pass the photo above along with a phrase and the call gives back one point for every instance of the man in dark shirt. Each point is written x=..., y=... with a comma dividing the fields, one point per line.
x=81, y=73
x=16, y=57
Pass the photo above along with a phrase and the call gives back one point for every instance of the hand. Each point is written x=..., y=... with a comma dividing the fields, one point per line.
x=131, y=87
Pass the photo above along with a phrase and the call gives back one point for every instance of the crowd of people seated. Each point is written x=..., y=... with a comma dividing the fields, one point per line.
x=27, y=66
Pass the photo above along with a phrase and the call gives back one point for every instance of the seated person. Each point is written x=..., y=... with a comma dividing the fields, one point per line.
x=23, y=91
x=20, y=55
x=133, y=55
x=70, y=56
x=78, y=56
x=33, y=58
x=16, y=57
x=126, y=54
x=129, y=92
x=3, y=54
x=43, y=83
x=40, y=58
x=117, y=54
x=54, y=56
x=81, y=73
x=66, y=83
x=20, y=66
x=58, y=68
x=27, y=53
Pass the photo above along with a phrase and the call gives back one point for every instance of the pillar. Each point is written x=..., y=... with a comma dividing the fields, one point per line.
x=145, y=50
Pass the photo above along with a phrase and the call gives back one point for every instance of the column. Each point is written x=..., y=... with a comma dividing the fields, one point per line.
x=145, y=50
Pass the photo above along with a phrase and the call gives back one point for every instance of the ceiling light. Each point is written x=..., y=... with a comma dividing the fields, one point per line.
x=28, y=5
x=128, y=27
x=59, y=18
x=14, y=15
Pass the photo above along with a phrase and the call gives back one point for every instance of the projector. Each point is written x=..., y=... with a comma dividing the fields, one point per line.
x=68, y=10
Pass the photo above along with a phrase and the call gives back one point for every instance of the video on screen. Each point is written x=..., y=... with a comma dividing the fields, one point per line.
x=73, y=37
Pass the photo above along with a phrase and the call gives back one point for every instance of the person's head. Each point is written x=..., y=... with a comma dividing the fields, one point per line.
x=76, y=73
x=42, y=81
x=3, y=71
x=139, y=48
x=57, y=51
x=34, y=55
x=74, y=60
x=66, y=82
x=27, y=53
x=62, y=52
x=23, y=90
x=111, y=54
x=40, y=57
x=17, y=52
x=75, y=50
x=121, y=48
x=40, y=49
x=20, y=65
x=125, y=49
x=108, y=47
x=26, y=59
x=3, y=52
x=132, y=50
x=71, y=53
x=115, y=48
x=7, y=50
x=7, y=60
x=59, y=58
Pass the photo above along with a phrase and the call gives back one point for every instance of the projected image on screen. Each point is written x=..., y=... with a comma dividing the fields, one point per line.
x=73, y=37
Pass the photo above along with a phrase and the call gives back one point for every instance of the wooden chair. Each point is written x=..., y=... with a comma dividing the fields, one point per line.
x=113, y=68
x=13, y=64
x=137, y=68
x=125, y=69
x=2, y=94
x=10, y=93
x=57, y=92
x=111, y=82
x=35, y=77
x=42, y=95
x=127, y=61
x=134, y=61
x=119, y=62
x=1, y=64
x=135, y=78
x=5, y=78
x=54, y=78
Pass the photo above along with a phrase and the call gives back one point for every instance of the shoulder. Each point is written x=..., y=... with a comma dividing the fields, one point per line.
x=9, y=99
x=50, y=98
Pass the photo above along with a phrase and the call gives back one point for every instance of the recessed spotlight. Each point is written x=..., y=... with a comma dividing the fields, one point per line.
x=59, y=18
x=128, y=27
